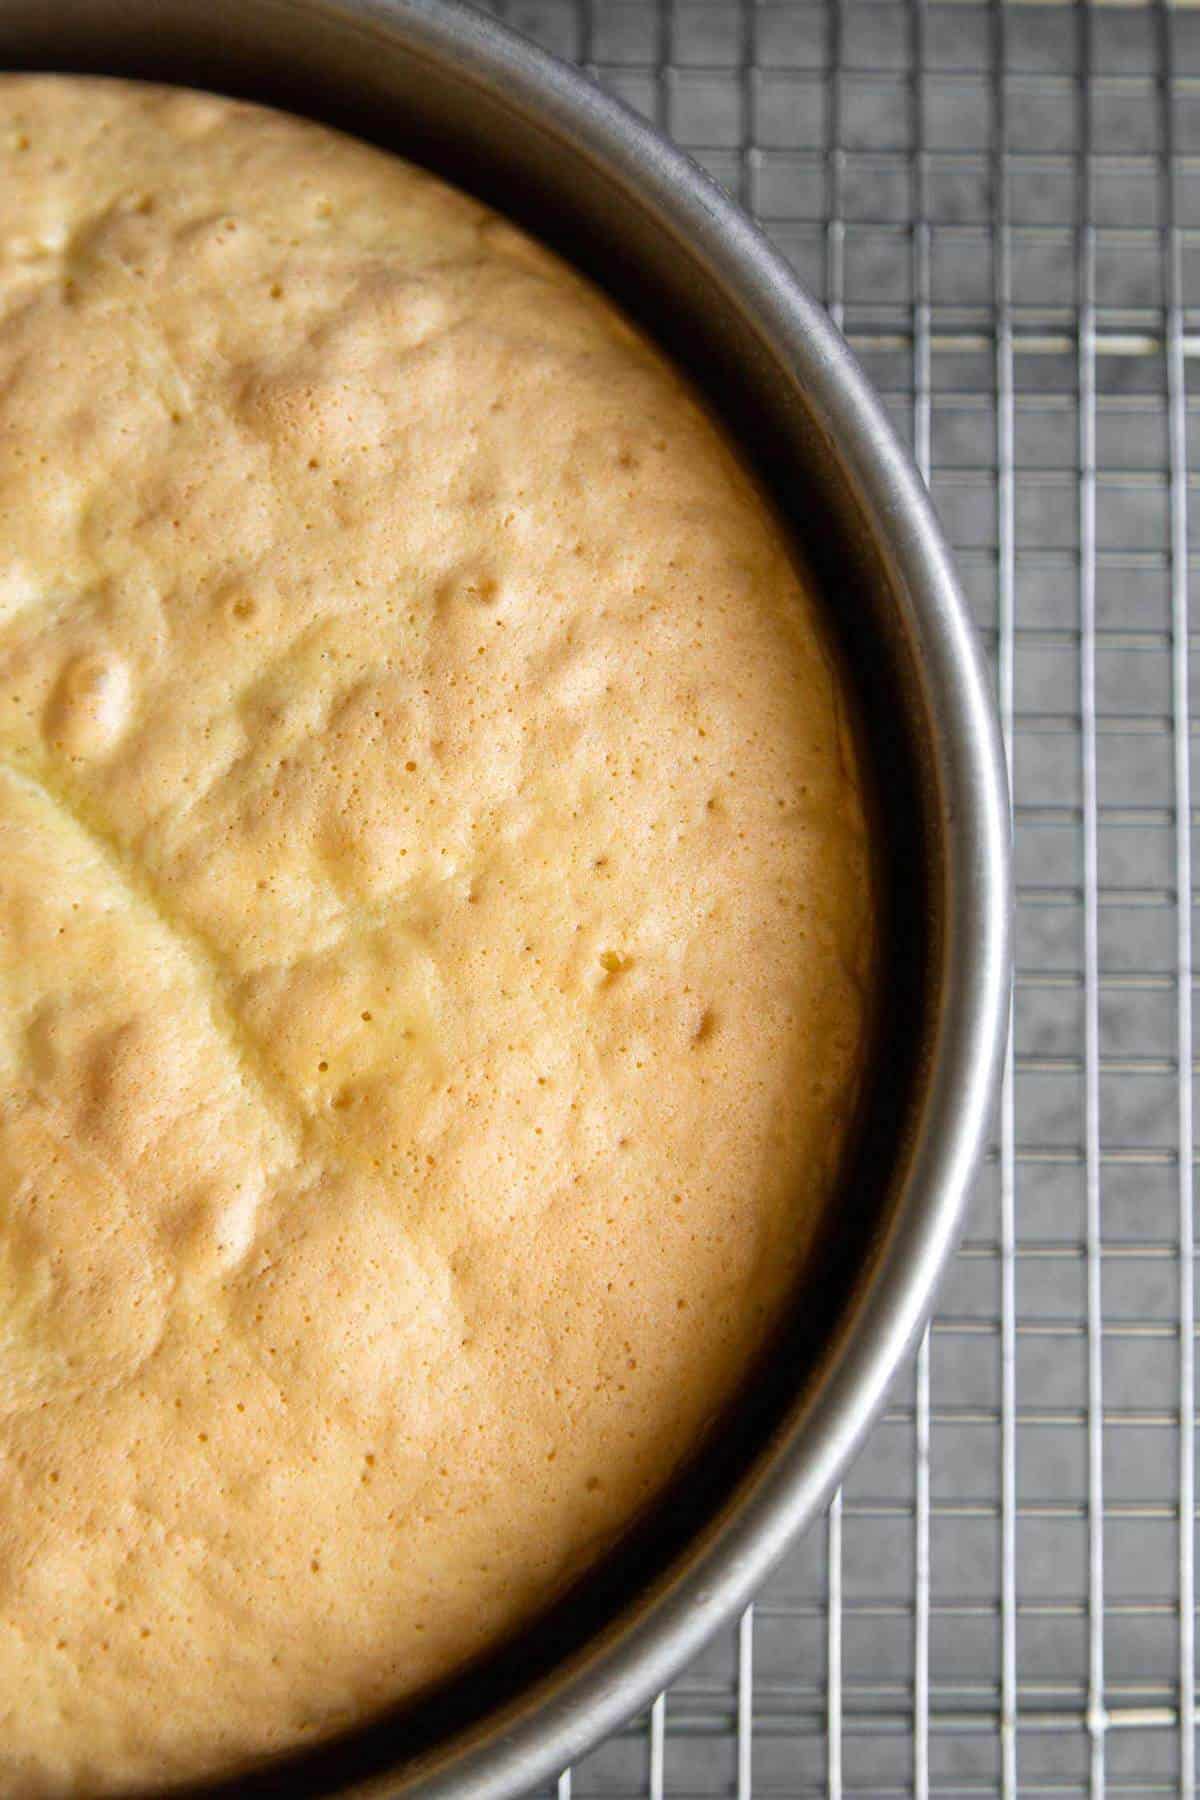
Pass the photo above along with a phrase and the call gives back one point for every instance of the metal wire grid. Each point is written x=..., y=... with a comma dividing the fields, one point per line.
x=1001, y=207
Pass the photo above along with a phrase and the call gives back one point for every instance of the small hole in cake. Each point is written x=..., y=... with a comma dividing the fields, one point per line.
x=705, y=1026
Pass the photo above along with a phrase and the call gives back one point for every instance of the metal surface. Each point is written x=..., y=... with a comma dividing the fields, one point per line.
x=446, y=86
x=1002, y=205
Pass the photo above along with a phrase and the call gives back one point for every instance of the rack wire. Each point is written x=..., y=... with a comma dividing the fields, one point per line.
x=1000, y=205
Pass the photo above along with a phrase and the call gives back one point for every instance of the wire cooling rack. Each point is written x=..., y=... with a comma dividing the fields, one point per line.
x=1000, y=205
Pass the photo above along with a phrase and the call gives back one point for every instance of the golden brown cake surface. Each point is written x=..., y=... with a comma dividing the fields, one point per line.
x=434, y=929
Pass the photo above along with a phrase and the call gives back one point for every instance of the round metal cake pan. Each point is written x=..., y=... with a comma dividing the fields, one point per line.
x=449, y=88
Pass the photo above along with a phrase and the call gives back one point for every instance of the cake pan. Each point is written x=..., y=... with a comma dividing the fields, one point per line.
x=450, y=88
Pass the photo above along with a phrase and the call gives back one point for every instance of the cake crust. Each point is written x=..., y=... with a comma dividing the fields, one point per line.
x=435, y=930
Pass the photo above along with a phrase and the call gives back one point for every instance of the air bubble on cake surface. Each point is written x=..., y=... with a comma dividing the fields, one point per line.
x=90, y=705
